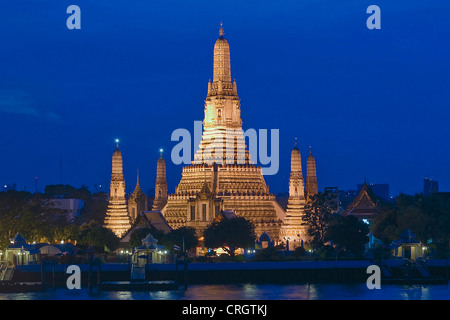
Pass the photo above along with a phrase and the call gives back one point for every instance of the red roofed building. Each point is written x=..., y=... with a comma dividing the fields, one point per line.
x=365, y=205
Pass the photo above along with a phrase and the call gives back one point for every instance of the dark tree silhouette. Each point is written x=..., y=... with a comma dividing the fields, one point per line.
x=230, y=234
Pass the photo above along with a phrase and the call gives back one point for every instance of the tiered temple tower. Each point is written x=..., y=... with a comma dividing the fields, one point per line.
x=292, y=231
x=161, y=185
x=137, y=201
x=222, y=176
x=311, y=188
x=117, y=218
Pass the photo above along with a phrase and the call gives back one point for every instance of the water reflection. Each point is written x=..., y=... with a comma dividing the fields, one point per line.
x=250, y=292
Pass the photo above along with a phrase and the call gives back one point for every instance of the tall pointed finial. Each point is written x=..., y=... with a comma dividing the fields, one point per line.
x=221, y=32
x=117, y=143
x=310, y=151
x=161, y=151
x=137, y=183
x=295, y=143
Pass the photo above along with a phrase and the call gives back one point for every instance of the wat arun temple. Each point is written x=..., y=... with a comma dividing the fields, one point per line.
x=220, y=178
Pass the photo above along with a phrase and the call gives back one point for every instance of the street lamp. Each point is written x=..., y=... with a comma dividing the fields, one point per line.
x=287, y=243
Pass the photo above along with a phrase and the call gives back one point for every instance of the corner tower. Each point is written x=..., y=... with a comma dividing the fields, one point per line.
x=117, y=218
x=312, y=187
x=292, y=230
x=161, y=185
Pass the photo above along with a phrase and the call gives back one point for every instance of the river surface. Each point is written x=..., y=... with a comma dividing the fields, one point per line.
x=250, y=292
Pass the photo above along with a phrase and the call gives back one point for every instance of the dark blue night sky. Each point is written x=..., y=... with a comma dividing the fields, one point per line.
x=372, y=103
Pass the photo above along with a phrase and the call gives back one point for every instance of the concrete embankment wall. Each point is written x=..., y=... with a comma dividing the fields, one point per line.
x=202, y=273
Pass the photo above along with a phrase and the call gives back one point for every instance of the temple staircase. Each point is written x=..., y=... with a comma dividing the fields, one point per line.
x=6, y=273
x=137, y=273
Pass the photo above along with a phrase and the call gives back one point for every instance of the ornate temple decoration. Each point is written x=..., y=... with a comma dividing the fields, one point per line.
x=137, y=201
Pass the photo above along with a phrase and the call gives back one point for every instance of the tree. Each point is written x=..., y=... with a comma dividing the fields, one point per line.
x=428, y=217
x=348, y=233
x=96, y=235
x=230, y=234
x=138, y=234
x=25, y=213
x=95, y=208
x=317, y=218
x=184, y=236
x=384, y=225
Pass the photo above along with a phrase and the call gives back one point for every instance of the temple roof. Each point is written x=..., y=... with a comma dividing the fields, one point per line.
x=365, y=204
x=147, y=219
x=406, y=238
x=19, y=239
x=157, y=220
x=226, y=214
x=137, y=190
x=19, y=242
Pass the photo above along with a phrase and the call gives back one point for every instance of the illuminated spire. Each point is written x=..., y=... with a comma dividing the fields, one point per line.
x=292, y=227
x=161, y=184
x=117, y=218
x=221, y=32
x=222, y=69
x=222, y=122
x=137, y=179
x=296, y=162
x=311, y=187
x=137, y=201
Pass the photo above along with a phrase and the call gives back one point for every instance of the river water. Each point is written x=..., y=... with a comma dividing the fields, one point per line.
x=251, y=292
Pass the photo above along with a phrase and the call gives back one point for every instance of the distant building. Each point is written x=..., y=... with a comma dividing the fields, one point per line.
x=429, y=186
x=71, y=208
x=346, y=197
x=333, y=192
x=380, y=190
x=7, y=187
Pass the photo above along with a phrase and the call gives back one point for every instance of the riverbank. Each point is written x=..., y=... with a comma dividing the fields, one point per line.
x=220, y=273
